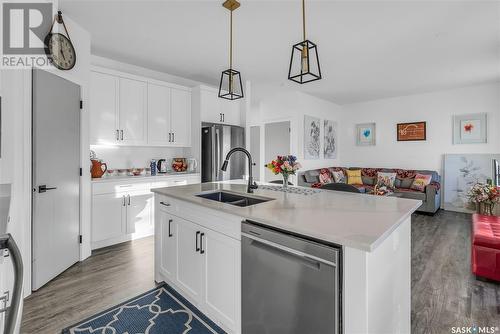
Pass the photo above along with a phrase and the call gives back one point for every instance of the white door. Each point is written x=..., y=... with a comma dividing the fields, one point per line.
x=210, y=106
x=230, y=112
x=103, y=104
x=168, y=236
x=56, y=176
x=189, y=259
x=221, y=273
x=159, y=127
x=139, y=213
x=108, y=216
x=133, y=112
x=181, y=117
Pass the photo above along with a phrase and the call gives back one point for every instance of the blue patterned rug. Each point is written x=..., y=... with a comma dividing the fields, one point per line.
x=158, y=311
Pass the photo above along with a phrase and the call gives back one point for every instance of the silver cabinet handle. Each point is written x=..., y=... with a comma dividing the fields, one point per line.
x=223, y=117
x=117, y=134
x=121, y=134
x=128, y=199
x=123, y=198
x=170, y=137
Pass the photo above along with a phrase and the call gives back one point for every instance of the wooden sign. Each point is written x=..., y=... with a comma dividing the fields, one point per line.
x=411, y=131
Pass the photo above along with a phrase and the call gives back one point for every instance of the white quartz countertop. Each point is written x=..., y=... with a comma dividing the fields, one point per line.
x=145, y=178
x=355, y=220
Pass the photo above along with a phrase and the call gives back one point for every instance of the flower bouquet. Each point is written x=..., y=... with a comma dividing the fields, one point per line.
x=285, y=165
x=485, y=196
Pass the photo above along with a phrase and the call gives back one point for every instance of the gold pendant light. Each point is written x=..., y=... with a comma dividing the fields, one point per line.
x=304, y=62
x=230, y=86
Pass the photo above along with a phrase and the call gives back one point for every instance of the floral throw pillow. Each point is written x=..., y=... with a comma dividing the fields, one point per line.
x=386, y=179
x=325, y=176
x=339, y=177
x=420, y=182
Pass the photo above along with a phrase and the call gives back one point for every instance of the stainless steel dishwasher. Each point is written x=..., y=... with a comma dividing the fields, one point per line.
x=289, y=284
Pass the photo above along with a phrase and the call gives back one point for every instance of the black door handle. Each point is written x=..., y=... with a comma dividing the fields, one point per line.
x=201, y=243
x=43, y=188
x=197, y=247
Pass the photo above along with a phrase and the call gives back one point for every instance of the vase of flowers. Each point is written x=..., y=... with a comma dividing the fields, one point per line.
x=485, y=196
x=285, y=165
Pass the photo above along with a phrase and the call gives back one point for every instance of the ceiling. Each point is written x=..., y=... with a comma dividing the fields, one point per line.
x=368, y=49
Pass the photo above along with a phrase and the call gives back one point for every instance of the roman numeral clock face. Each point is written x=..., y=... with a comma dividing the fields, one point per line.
x=62, y=52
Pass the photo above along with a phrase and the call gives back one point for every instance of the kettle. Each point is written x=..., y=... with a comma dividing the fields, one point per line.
x=192, y=165
x=162, y=166
x=96, y=170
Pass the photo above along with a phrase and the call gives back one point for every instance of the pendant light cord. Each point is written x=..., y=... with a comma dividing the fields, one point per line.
x=304, y=18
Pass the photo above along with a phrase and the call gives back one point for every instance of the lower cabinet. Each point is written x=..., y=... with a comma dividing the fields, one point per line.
x=108, y=216
x=203, y=264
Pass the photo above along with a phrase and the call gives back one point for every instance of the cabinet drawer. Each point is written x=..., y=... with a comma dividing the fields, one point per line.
x=118, y=187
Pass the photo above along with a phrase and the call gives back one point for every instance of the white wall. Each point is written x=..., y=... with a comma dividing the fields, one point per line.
x=275, y=105
x=436, y=109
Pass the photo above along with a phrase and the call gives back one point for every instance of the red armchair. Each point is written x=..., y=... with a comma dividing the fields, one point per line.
x=485, y=259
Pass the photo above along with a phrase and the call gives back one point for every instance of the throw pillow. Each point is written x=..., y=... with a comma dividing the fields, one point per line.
x=369, y=181
x=420, y=182
x=386, y=179
x=354, y=176
x=339, y=177
x=406, y=183
x=311, y=176
x=325, y=176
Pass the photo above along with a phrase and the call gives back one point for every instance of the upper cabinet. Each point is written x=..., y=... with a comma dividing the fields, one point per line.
x=213, y=109
x=127, y=110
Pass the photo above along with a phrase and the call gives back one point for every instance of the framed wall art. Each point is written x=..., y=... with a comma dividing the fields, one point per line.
x=330, y=138
x=311, y=137
x=365, y=134
x=470, y=128
x=415, y=131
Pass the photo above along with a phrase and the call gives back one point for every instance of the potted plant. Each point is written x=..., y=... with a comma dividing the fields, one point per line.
x=285, y=165
x=485, y=196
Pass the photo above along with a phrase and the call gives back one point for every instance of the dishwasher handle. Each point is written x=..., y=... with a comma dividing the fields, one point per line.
x=13, y=312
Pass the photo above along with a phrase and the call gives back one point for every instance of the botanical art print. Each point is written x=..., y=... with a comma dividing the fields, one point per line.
x=330, y=134
x=365, y=134
x=311, y=137
x=469, y=129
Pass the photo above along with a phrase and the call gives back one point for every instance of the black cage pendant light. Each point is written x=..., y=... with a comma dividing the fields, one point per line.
x=230, y=87
x=304, y=63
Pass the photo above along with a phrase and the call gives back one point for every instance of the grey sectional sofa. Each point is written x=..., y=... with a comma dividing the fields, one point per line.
x=431, y=197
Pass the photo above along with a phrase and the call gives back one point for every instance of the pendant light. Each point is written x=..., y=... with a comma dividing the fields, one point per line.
x=230, y=87
x=304, y=63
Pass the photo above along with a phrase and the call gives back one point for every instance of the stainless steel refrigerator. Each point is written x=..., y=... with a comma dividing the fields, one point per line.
x=216, y=141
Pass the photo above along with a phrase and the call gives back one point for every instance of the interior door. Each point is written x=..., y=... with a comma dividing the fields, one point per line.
x=103, y=108
x=189, y=259
x=133, y=112
x=181, y=117
x=159, y=115
x=56, y=175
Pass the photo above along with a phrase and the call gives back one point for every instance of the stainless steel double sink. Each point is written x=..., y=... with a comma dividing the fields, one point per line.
x=233, y=198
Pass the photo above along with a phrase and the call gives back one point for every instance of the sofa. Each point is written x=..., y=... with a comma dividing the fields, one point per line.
x=485, y=249
x=430, y=197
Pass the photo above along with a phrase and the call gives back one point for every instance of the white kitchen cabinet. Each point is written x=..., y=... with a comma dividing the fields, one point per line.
x=221, y=272
x=189, y=259
x=159, y=109
x=103, y=108
x=213, y=109
x=181, y=117
x=139, y=213
x=167, y=230
x=108, y=216
x=133, y=112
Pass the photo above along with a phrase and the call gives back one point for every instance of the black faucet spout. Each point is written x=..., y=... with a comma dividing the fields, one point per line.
x=251, y=185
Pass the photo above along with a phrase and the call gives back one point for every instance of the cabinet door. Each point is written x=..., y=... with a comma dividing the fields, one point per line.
x=133, y=112
x=103, y=105
x=168, y=241
x=221, y=277
x=139, y=208
x=159, y=126
x=181, y=117
x=210, y=106
x=189, y=260
x=231, y=112
x=108, y=216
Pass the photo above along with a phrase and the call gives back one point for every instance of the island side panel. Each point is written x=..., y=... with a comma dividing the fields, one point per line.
x=377, y=286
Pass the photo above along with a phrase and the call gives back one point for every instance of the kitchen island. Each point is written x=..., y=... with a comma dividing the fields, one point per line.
x=198, y=249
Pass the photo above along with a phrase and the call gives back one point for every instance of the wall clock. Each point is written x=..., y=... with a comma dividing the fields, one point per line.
x=59, y=47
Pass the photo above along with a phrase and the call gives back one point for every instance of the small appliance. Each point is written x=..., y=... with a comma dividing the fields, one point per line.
x=162, y=166
x=152, y=166
x=192, y=165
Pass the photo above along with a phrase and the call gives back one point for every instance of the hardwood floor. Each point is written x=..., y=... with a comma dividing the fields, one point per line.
x=111, y=275
x=444, y=292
